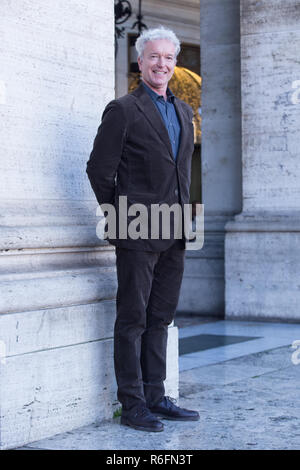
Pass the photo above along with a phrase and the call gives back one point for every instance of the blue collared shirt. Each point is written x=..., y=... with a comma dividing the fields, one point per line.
x=168, y=113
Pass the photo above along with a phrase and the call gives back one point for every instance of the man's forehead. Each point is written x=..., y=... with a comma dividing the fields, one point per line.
x=160, y=45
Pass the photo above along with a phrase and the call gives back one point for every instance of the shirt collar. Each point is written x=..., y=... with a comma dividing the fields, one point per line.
x=155, y=96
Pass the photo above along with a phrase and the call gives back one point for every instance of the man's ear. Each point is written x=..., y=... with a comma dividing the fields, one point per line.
x=139, y=63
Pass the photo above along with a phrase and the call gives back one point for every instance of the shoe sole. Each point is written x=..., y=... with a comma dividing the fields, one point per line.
x=141, y=428
x=191, y=418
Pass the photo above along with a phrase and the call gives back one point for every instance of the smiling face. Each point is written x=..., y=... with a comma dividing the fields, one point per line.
x=157, y=64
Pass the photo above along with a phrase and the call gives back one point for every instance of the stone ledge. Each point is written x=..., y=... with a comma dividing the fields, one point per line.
x=49, y=328
x=265, y=221
x=20, y=237
x=31, y=291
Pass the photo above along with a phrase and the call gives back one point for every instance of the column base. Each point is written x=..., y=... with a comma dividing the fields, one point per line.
x=262, y=265
x=202, y=291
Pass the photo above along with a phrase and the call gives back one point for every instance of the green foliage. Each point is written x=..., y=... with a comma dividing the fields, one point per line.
x=117, y=413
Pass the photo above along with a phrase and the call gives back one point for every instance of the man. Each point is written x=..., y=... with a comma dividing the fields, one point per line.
x=143, y=150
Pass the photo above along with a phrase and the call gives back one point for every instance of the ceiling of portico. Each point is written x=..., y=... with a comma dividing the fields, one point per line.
x=170, y=10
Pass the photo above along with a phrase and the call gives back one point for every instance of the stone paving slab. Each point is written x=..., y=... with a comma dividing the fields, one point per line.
x=269, y=336
x=250, y=402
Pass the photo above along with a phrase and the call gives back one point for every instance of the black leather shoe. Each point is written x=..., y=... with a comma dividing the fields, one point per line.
x=167, y=409
x=142, y=420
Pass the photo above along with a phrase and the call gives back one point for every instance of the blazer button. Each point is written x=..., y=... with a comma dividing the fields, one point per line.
x=176, y=192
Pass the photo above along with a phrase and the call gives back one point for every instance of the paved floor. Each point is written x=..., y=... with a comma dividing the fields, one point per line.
x=243, y=378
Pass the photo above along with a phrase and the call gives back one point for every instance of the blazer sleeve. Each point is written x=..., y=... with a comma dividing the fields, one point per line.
x=107, y=152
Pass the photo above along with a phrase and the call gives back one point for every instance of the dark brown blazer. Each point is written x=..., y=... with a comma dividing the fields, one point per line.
x=132, y=156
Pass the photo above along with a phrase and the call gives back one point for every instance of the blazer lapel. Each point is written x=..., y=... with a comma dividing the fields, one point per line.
x=153, y=116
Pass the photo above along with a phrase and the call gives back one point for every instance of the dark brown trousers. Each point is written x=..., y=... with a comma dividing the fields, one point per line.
x=148, y=292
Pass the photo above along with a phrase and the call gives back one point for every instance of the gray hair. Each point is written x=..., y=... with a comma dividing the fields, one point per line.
x=152, y=35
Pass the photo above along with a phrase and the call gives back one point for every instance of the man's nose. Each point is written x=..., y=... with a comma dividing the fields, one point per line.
x=161, y=61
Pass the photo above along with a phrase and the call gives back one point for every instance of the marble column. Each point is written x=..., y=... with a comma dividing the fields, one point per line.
x=203, y=284
x=57, y=281
x=263, y=242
